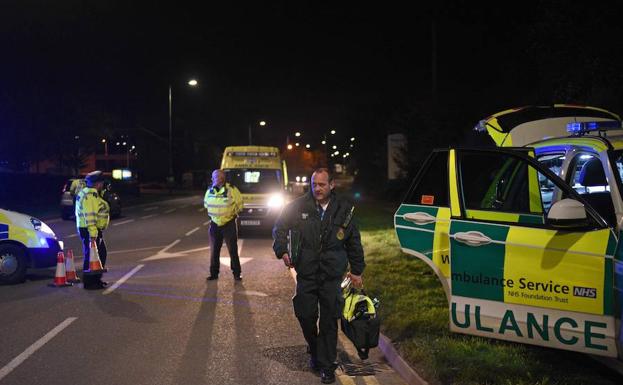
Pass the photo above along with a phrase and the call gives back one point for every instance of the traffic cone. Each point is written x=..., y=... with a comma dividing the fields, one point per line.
x=95, y=264
x=71, y=268
x=60, y=280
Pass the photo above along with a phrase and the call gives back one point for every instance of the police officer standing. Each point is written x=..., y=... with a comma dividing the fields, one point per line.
x=328, y=242
x=92, y=216
x=223, y=202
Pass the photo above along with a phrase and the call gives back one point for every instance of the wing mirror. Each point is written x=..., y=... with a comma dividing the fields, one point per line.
x=567, y=213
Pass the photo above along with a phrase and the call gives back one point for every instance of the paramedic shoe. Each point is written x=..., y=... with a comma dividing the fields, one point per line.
x=313, y=364
x=327, y=376
x=238, y=277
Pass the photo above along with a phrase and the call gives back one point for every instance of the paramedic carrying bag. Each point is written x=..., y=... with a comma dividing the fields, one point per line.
x=360, y=321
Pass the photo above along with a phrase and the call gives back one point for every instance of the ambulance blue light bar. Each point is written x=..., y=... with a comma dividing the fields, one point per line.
x=584, y=127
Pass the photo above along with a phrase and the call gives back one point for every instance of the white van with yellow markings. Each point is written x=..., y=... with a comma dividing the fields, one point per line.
x=25, y=242
x=261, y=176
x=526, y=241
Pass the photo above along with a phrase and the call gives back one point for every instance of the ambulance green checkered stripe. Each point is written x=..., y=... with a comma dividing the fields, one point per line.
x=534, y=219
x=608, y=287
x=477, y=271
x=416, y=239
x=405, y=208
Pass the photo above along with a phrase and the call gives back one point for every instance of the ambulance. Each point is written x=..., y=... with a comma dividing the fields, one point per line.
x=25, y=242
x=525, y=236
x=261, y=176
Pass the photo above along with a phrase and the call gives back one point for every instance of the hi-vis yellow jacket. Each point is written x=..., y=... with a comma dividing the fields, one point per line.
x=223, y=203
x=103, y=215
x=88, y=204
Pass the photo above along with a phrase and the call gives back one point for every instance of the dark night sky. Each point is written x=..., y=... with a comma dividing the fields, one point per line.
x=307, y=66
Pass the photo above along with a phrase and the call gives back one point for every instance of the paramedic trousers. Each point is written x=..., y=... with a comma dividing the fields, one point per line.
x=319, y=297
x=229, y=233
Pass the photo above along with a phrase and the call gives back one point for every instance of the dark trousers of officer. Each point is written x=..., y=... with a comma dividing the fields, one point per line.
x=312, y=295
x=86, y=249
x=228, y=232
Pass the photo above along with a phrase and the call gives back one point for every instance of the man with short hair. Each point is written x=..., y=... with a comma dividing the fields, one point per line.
x=223, y=202
x=92, y=215
x=327, y=242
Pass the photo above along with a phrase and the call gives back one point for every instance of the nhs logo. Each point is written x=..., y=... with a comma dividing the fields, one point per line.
x=586, y=292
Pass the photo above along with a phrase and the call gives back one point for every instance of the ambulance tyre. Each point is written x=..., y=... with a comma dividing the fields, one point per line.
x=13, y=263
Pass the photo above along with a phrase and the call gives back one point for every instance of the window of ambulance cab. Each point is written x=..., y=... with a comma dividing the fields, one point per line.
x=500, y=187
x=554, y=162
x=587, y=177
x=431, y=184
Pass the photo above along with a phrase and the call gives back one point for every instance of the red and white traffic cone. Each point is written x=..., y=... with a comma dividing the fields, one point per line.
x=71, y=268
x=95, y=264
x=60, y=279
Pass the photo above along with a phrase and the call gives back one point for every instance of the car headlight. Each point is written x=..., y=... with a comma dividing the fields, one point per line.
x=276, y=200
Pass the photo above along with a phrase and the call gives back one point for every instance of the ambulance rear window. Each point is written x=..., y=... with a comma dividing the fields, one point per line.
x=431, y=185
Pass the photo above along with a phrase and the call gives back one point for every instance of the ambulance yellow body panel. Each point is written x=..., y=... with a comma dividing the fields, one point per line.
x=261, y=176
x=25, y=242
x=527, y=241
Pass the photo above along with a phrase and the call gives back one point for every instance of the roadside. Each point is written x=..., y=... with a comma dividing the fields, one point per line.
x=415, y=317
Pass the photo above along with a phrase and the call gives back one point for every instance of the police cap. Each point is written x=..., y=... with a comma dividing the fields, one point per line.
x=93, y=177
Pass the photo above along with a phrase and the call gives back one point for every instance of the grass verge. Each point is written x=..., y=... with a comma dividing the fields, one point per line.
x=415, y=317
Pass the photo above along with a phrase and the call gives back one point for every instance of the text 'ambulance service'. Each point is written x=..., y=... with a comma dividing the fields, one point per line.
x=261, y=176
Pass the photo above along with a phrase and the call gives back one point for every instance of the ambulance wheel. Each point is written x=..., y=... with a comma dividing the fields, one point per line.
x=12, y=264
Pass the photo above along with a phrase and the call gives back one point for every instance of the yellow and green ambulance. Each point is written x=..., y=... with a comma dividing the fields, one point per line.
x=526, y=237
x=261, y=176
x=25, y=242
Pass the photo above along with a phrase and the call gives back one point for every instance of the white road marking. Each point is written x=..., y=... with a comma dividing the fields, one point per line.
x=206, y=223
x=122, y=280
x=253, y=292
x=123, y=223
x=169, y=211
x=201, y=209
x=8, y=368
x=227, y=261
x=133, y=250
x=71, y=236
x=151, y=208
x=149, y=216
x=192, y=231
x=175, y=242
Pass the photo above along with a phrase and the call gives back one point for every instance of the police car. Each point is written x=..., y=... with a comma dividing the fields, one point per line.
x=25, y=242
x=526, y=237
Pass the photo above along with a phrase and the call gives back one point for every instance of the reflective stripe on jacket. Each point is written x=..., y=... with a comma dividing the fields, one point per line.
x=223, y=204
x=87, y=207
x=103, y=215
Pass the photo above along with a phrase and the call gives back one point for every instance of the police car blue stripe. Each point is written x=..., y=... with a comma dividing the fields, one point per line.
x=4, y=231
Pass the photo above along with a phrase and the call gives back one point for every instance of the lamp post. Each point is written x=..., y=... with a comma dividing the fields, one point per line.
x=192, y=83
x=261, y=123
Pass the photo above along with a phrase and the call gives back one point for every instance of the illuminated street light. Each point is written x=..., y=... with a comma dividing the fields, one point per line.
x=336, y=153
x=262, y=123
x=334, y=147
x=352, y=139
x=297, y=144
x=297, y=134
x=307, y=146
x=332, y=132
x=324, y=142
x=192, y=82
x=351, y=146
x=289, y=146
x=103, y=140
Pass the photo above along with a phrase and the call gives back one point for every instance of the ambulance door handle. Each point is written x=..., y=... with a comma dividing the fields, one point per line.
x=472, y=238
x=420, y=218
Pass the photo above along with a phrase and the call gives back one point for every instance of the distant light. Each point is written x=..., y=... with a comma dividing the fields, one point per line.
x=324, y=142
x=297, y=134
x=289, y=146
x=262, y=123
x=133, y=147
x=337, y=153
x=192, y=82
x=348, y=154
x=297, y=144
x=357, y=195
x=351, y=146
x=298, y=178
x=304, y=179
x=124, y=143
x=118, y=143
x=76, y=137
x=334, y=147
x=103, y=140
x=344, y=156
x=307, y=146
x=332, y=132
x=352, y=139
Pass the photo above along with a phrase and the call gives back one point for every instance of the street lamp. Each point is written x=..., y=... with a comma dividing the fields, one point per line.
x=192, y=83
x=260, y=123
